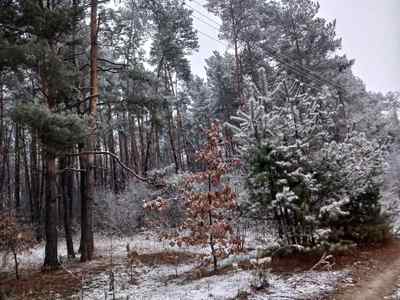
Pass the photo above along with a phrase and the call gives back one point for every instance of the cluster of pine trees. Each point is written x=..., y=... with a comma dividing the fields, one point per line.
x=93, y=94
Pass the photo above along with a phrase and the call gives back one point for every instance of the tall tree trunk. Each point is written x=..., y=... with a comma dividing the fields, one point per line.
x=135, y=153
x=113, y=166
x=123, y=156
x=67, y=185
x=28, y=184
x=51, y=213
x=35, y=186
x=142, y=144
x=148, y=148
x=87, y=240
x=17, y=164
x=3, y=148
x=42, y=196
x=4, y=166
x=172, y=140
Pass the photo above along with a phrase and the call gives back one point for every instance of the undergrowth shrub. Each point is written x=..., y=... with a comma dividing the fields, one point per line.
x=121, y=213
x=15, y=238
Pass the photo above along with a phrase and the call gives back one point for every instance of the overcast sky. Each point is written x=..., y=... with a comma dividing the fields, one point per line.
x=370, y=30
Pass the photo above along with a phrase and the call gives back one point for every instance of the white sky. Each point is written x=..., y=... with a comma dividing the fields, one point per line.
x=370, y=30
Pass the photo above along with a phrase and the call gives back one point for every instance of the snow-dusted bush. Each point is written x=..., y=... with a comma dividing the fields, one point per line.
x=350, y=179
x=121, y=213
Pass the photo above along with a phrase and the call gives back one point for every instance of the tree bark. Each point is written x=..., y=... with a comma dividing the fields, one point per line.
x=3, y=149
x=87, y=240
x=67, y=185
x=17, y=171
x=51, y=215
x=28, y=180
x=51, y=211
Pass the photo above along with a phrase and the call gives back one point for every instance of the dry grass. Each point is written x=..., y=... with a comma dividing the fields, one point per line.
x=163, y=258
x=37, y=284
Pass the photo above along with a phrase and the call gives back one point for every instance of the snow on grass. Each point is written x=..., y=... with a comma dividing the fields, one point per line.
x=161, y=282
x=157, y=284
x=143, y=242
x=395, y=296
x=302, y=286
x=396, y=292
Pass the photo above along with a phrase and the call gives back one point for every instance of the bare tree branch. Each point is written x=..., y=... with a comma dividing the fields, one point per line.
x=115, y=157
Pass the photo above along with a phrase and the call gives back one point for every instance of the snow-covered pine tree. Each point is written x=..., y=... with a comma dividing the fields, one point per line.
x=285, y=137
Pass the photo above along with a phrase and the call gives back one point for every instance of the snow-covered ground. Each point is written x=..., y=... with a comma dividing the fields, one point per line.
x=153, y=285
x=160, y=281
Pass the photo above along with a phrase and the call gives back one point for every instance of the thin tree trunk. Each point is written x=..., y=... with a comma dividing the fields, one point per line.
x=122, y=156
x=172, y=141
x=210, y=220
x=17, y=171
x=135, y=153
x=3, y=170
x=67, y=178
x=3, y=148
x=148, y=148
x=142, y=146
x=16, y=264
x=27, y=174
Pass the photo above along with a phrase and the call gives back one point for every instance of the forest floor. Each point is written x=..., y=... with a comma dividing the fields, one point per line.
x=162, y=271
x=375, y=274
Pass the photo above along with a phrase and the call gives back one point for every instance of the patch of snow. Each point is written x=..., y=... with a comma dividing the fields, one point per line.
x=160, y=282
x=302, y=286
x=157, y=283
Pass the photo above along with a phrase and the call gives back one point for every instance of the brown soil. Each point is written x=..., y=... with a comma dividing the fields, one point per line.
x=163, y=258
x=37, y=284
x=375, y=272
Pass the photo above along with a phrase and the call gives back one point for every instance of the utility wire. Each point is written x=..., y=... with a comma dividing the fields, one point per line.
x=201, y=20
x=281, y=58
x=293, y=69
x=296, y=69
x=273, y=52
x=306, y=72
x=214, y=39
x=202, y=6
x=205, y=16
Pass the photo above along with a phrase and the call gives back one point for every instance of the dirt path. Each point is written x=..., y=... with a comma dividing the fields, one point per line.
x=376, y=278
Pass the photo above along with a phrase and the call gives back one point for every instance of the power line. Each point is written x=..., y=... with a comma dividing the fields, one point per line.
x=288, y=65
x=280, y=57
x=212, y=26
x=205, y=16
x=292, y=68
x=202, y=6
x=273, y=52
x=304, y=71
x=214, y=39
x=295, y=68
